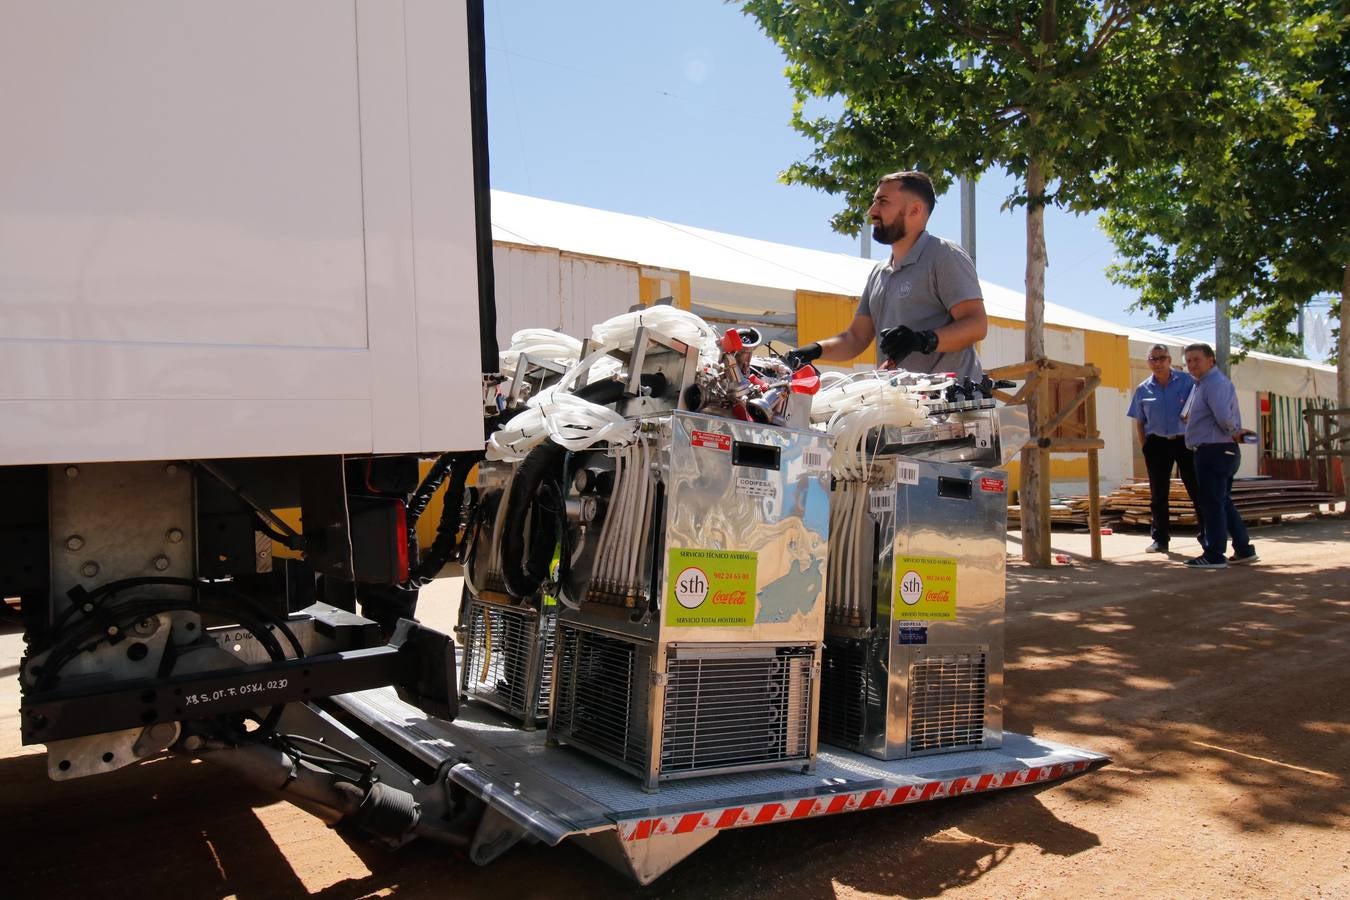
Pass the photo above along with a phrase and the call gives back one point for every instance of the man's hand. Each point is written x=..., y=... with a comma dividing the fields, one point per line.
x=800, y=356
x=899, y=342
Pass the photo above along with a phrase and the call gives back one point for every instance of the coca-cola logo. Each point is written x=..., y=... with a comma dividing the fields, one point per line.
x=730, y=598
x=691, y=587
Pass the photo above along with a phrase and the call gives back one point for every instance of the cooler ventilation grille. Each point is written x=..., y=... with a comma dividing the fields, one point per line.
x=946, y=708
x=507, y=662
x=722, y=712
x=844, y=690
x=602, y=695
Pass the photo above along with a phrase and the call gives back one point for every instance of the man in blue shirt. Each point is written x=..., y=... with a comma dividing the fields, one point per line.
x=1156, y=410
x=1213, y=432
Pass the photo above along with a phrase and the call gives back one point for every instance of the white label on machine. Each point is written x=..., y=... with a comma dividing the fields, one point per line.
x=881, y=500
x=816, y=460
x=756, y=487
x=906, y=473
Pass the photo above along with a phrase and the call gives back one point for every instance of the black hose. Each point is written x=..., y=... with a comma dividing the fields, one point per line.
x=540, y=475
x=523, y=572
x=446, y=542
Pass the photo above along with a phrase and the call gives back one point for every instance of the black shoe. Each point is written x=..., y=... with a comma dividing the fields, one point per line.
x=1201, y=563
x=1240, y=559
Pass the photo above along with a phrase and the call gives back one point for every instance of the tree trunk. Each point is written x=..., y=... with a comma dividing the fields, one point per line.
x=1223, y=336
x=1343, y=374
x=1035, y=463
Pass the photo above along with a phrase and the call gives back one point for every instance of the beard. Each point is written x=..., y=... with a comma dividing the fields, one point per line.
x=889, y=234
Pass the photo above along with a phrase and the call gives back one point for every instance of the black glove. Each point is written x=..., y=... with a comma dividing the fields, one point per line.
x=800, y=356
x=901, y=341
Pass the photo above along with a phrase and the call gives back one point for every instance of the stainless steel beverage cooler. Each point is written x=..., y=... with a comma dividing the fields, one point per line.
x=694, y=647
x=913, y=660
x=508, y=643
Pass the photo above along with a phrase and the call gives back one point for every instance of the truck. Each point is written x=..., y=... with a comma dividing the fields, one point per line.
x=249, y=351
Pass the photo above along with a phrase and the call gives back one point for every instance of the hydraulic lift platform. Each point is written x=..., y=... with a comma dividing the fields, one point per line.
x=537, y=792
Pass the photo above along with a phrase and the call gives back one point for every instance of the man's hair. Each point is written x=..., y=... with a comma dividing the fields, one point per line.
x=1203, y=348
x=1163, y=347
x=917, y=183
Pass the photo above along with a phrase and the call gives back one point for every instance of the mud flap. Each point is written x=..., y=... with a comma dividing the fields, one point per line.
x=426, y=669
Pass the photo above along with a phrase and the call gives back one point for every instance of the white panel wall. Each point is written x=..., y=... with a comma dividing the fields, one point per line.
x=591, y=291
x=1065, y=346
x=1002, y=346
x=1250, y=419
x=527, y=290
x=209, y=244
x=1115, y=461
x=122, y=219
x=543, y=288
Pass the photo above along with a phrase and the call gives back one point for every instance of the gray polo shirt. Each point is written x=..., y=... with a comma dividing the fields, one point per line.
x=934, y=276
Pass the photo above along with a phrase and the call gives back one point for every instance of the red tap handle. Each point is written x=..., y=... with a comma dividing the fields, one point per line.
x=806, y=380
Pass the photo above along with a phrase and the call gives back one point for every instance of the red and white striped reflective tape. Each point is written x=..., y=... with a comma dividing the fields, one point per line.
x=764, y=813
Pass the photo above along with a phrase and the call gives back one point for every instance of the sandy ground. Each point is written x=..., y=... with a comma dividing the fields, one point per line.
x=1223, y=698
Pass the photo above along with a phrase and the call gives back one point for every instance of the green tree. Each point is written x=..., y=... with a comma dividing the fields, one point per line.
x=1062, y=94
x=1276, y=343
x=1257, y=217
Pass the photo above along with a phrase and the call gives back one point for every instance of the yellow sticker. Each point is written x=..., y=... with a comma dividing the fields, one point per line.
x=925, y=588
x=710, y=588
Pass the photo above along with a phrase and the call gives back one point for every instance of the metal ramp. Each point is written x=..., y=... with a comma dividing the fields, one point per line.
x=550, y=793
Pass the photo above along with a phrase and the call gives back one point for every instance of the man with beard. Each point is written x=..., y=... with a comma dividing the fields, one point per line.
x=924, y=300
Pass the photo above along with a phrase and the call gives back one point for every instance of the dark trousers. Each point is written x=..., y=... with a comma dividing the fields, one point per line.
x=1161, y=455
x=1215, y=466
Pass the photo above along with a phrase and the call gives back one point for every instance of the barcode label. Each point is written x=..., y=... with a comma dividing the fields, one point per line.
x=817, y=460
x=881, y=501
x=906, y=473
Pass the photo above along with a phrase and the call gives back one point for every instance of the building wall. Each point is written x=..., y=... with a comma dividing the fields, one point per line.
x=820, y=316
x=540, y=287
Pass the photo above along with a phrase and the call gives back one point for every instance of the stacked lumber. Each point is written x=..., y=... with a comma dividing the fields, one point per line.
x=1063, y=511
x=1256, y=499
x=1129, y=503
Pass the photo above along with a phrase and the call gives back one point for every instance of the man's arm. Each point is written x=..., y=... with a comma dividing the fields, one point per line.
x=969, y=325
x=1225, y=410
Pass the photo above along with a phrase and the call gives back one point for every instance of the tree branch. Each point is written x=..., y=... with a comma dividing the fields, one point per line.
x=959, y=21
x=1115, y=22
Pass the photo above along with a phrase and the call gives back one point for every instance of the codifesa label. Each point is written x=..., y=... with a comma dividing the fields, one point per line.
x=710, y=588
x=925, y=588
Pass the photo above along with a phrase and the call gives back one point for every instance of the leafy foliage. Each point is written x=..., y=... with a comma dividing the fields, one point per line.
x=1258, y=212
x=1089, y=89
x=1277, y=343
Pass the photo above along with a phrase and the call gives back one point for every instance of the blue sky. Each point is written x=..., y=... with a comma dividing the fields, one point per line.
x=679, y=110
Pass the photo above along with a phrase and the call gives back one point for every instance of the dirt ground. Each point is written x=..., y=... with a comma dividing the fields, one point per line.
x=1223, y=698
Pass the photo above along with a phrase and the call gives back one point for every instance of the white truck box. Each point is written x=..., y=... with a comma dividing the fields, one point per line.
x=237, y=228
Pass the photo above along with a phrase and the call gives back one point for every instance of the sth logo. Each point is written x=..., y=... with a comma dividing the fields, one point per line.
x=691, y=587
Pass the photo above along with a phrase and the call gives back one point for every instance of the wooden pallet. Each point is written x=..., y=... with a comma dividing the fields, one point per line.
x=1257, y=499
